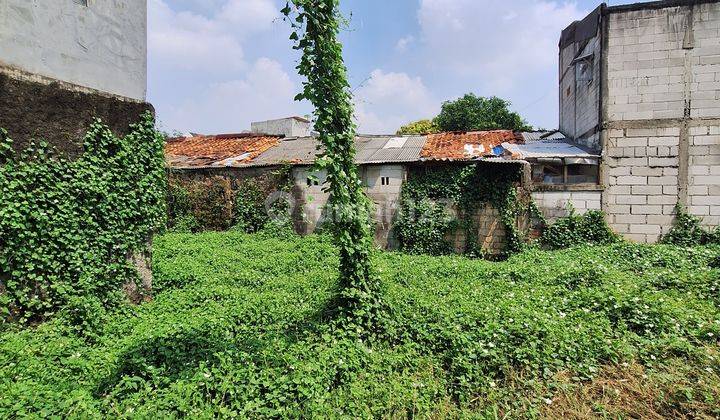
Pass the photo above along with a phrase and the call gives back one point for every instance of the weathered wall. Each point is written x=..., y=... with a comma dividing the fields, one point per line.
x=385, y=199
x=554, y=204
x=579, y=75
x=34, y=107
x=288, y=127
x=102, y=45
x=662, y=117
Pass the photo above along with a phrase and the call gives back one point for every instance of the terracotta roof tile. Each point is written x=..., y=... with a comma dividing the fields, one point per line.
x=219, y=150
x=466, y=145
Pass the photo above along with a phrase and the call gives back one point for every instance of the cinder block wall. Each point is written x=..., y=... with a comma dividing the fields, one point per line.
x=661, y=112
x=554, y=204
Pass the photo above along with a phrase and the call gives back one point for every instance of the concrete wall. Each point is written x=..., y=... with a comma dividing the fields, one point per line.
x=385, y=199
x=662, y=117
x=102, y=45
x=554, y=204
x=580, y=92
x=310, y=200
x=288, y=127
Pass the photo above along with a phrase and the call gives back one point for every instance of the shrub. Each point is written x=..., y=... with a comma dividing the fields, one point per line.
x=68, y=227
x=688, y=231
x=575, y=229
x=200, y=205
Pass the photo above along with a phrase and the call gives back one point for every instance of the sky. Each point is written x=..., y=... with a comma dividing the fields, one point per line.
x=214, y=66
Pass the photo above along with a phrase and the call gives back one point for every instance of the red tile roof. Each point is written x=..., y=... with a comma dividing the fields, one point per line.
x=466, y=145
x=199, y=151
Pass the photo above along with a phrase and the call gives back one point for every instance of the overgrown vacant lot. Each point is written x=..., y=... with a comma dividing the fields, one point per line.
x=240, y=327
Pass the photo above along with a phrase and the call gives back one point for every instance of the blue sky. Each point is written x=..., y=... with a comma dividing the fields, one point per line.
x=216, y=65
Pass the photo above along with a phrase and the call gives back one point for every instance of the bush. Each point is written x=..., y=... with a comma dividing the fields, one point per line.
x=688, y=231
x=68, y=227
x=203, y=205
x=575, y=229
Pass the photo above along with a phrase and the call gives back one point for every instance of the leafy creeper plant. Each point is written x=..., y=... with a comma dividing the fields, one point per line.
x=316, y=24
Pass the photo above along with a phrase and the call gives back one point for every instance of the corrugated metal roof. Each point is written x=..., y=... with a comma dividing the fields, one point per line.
x=539, y=135
x=467, y=145
x=390, y=149
x=547, y=149
x=247, y=151
x=300, y=150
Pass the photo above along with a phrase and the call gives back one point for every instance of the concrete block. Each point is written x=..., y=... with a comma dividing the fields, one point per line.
x=647, y=189
x=646, y=209
x=705, y=200
x=631, y=180
x=657, y=161
x=630, y=199
x=644, y=171
x=662, y=180
x=660, y=220
x=705, y=140
x=663, y=141
x=699, y=210
x=646, y=229
x=670, y=190
x=617, y=209
x=662, y=199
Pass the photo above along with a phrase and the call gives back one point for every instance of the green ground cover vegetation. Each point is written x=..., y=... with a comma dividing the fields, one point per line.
x=240, y=326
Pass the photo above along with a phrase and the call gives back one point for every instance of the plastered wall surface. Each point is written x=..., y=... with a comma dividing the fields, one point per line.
x=101, y=46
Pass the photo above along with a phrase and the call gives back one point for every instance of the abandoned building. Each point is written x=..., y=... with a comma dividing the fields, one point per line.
x=65, y=62
x=639, y=132
x=385, y=164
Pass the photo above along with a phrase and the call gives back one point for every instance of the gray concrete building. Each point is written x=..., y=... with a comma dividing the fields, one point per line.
x=640, y=85
x=63, y=62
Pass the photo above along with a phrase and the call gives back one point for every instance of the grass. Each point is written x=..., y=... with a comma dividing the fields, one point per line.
x=239, y=327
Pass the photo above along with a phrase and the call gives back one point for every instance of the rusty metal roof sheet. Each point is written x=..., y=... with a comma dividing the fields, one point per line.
x=549, y=148
x=467, y=145
x=221, y=150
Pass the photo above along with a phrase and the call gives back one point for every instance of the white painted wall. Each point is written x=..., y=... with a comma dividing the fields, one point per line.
x=102, y=45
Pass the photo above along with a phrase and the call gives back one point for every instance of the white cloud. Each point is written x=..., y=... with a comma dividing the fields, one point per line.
x=500, y=42
x=188, y=41
x=404, y=42
x=249, y=16
x=204, y=77
x=390, y=100
x=265, y=92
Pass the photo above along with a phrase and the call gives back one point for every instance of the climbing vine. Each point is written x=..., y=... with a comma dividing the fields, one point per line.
x=67, y=227
x=316, y=25
x=425, y=223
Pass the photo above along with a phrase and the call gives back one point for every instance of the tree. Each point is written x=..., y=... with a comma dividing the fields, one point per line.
x=476, y=113
x=418, y=127
x=316, y=24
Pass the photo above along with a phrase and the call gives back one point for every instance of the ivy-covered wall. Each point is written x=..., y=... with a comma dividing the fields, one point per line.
x=477, y=209
x=70, y=228
x=219, y=199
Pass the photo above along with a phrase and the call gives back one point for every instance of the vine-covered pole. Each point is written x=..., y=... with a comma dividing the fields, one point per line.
x=316, y=24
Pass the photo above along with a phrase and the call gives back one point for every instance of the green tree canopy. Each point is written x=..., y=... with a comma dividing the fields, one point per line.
x=418, y=127
x=476, y=113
